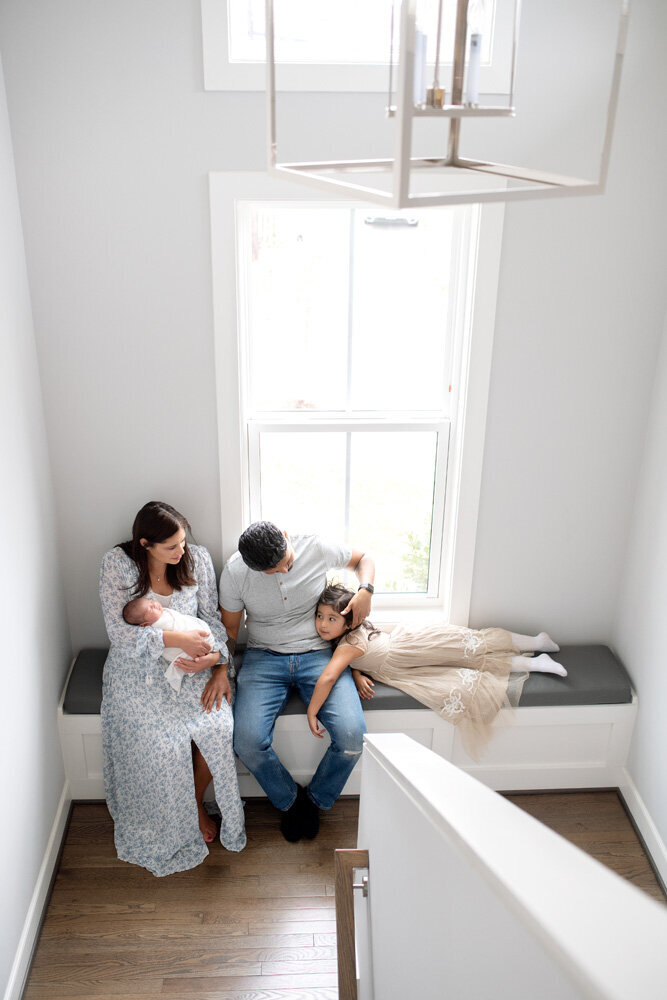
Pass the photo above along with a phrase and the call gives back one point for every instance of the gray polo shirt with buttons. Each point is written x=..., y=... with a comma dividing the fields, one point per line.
x=280, y=607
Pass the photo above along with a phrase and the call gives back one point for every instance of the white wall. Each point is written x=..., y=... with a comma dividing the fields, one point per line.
x=580, y=310
x=35, y=639
x=639, y=633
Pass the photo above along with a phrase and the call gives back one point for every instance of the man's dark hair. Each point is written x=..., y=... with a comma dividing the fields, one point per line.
x=262, y=545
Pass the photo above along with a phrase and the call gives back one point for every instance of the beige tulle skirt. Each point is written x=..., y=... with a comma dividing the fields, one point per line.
x=462, y=674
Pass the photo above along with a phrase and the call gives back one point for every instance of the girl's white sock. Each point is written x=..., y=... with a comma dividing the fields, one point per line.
x=540, y=643
x=538, y=664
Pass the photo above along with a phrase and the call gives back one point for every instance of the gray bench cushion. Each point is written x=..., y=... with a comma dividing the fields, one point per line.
x=84, y=690
x=595, y=677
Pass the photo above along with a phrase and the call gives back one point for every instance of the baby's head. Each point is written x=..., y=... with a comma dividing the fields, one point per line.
x=330, y=622
x=142, y=611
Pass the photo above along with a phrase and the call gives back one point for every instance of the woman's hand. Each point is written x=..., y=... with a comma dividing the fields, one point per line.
x=217, y=688
x=195, y=644
x=364, y=685
x=314, y=724
x=198, y=664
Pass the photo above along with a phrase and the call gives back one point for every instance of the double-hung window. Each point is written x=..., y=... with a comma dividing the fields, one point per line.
x=343, y=343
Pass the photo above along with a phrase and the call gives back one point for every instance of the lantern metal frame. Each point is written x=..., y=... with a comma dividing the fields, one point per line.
x=347, y=175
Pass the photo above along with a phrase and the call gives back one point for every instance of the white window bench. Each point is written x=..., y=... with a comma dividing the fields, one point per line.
x=569, y=732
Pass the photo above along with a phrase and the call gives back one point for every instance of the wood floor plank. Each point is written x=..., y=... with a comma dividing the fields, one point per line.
x=325, y=940
x=188, y=987
x=67, y=991
x=100, y=855
x=319, y=928
x=288, y=968
x=222, y=903
x=90, y=908
x=143, y=963
x=290, y=994
x=264, y=917
x=215, y=959
x=104, y=941
x=300, y=993
x=80, y=986
x=276, y=867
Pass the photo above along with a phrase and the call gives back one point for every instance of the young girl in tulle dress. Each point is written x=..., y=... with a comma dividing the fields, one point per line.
x=462, y=674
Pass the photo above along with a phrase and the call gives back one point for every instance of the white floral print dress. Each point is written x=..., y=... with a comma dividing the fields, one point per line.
x=147, y=730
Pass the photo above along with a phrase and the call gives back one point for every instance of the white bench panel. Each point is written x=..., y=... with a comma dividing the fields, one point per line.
x=532, y=748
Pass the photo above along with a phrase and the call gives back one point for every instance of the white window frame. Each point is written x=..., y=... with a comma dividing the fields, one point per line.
x=466, y=437
x=222, y=74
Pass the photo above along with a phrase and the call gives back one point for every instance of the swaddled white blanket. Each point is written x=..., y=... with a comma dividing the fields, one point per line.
x=175, y=621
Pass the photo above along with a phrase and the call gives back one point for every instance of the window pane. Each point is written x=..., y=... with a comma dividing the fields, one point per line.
x=391, y=483
x=345, y=32
x=303, y=481
x=307, y=32
x=391, y=507
x=319, y=279
x=296, y=308
x=402, y=285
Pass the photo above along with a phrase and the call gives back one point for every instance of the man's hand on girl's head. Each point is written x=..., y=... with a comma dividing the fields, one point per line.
x=360, y=606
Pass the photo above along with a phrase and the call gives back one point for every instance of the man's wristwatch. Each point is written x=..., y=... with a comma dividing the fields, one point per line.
x=367, y=586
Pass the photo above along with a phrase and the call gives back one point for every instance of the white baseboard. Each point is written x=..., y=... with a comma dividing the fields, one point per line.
x=646, y=828
x=33, y=919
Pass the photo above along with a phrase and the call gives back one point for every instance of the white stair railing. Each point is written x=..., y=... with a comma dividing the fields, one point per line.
x=470, y=898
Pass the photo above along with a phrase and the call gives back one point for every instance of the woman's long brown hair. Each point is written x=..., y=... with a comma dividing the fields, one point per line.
x=157, y=521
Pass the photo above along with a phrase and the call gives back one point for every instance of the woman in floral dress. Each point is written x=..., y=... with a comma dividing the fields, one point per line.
x=162, y=747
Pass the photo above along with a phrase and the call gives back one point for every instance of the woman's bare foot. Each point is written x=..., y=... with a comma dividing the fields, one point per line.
x=207, y=824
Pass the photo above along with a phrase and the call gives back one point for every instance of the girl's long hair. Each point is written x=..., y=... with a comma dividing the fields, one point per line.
x=336, y=596
x=156, y=522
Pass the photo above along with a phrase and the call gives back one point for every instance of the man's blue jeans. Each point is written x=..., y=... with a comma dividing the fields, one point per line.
x=264, y=685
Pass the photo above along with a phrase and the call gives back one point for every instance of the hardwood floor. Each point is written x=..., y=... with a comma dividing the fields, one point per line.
x=597, y=823
x=259, y=925
x=248, y=926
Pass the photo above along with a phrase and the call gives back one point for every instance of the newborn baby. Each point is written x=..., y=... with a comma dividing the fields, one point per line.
x=144, y=611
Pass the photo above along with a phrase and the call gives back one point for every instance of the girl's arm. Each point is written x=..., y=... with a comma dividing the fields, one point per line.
x=342, y=657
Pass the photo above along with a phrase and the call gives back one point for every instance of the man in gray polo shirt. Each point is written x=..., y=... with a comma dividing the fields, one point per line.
x=276, y=579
